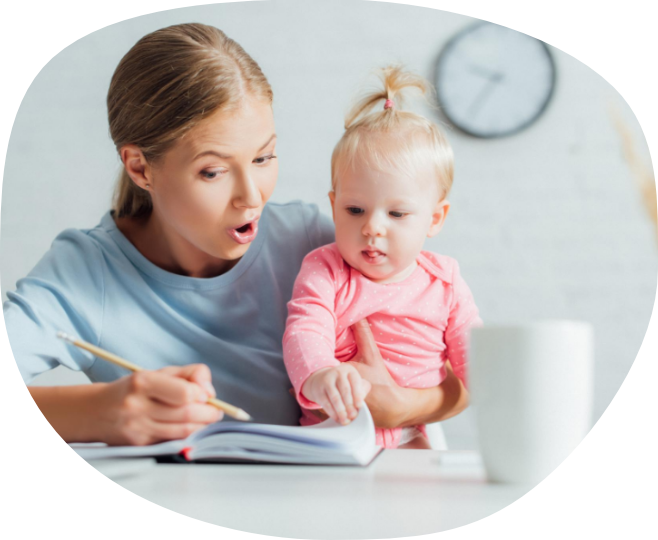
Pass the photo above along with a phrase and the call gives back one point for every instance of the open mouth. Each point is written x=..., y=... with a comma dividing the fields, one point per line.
x=245, y=233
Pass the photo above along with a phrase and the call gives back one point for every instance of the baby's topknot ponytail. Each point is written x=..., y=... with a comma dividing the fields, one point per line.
x=416, y=140
x=395, y=85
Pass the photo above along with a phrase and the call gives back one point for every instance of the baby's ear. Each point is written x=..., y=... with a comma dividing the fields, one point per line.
x=438, y=217
x=332, y=199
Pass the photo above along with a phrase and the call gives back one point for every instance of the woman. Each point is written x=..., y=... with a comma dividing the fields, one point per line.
x=189, y=275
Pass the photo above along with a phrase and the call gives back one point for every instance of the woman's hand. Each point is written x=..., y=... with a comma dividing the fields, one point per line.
x=385, y=398
x=152, y=406
x=339, y=390
x=393, y=406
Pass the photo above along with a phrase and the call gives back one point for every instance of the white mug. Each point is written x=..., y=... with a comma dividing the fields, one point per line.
x=532, y=389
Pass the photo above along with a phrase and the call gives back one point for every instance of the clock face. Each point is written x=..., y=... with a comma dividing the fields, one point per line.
x=493, y=81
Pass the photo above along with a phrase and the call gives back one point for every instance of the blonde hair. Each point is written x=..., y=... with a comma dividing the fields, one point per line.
x=169, y=81
x=416, y=139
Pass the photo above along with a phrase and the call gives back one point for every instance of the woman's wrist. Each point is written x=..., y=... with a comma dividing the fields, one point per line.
x=72, y=411
x=411, y=404
x=390, y=409
x=428, y=405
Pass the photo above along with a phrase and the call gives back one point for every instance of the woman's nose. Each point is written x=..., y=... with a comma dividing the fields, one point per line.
x=247, y=194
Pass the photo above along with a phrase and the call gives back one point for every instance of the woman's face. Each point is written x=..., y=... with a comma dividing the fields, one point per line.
x=210, y=188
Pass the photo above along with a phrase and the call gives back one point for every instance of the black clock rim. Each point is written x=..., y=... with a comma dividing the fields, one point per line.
x=493, y=135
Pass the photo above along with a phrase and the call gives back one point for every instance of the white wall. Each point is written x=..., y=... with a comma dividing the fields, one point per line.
x=546, y=223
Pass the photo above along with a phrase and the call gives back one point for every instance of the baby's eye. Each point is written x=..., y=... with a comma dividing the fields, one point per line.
x=354, y=210
x=397, y=214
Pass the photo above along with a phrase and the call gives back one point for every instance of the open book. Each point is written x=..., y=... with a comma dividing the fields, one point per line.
x=327, y=443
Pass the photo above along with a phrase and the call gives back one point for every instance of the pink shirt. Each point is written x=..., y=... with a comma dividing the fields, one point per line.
x=418, y=323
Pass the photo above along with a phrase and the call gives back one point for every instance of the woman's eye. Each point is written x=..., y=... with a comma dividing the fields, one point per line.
x=212, y=175
x=354, y=210
x=397, y=214
x=264, y=159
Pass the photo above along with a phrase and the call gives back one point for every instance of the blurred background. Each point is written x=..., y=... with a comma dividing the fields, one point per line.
x=550, y=222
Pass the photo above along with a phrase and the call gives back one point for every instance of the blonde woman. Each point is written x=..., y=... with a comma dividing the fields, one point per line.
x=190, y=273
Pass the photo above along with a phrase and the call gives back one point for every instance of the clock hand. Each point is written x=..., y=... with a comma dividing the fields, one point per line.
x=486, y=73
x=482, y=96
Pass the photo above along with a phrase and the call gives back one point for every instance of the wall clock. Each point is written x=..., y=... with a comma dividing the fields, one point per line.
x=492, y=81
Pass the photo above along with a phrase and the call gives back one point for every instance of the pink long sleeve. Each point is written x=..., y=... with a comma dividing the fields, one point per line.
x=309, y=342
x=463, y=316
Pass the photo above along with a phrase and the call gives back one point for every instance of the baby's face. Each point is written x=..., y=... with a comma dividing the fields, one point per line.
x=383, y=218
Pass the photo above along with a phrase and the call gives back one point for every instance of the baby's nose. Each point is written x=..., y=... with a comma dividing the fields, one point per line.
x=374, y=227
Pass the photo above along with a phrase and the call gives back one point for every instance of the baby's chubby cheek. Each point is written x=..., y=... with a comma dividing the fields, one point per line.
x=350, y=244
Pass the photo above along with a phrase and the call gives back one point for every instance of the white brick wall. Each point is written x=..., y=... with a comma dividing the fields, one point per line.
x=545, y=224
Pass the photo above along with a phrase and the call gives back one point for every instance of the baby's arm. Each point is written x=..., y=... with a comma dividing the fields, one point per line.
x=309, y=342
x=463, y=316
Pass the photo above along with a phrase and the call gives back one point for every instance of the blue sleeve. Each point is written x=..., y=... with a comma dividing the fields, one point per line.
x=320, y=228
x=64, y=292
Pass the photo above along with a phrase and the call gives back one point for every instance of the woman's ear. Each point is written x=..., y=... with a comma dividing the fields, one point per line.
x=438, y=217
x=332, y=199
x=136, y=166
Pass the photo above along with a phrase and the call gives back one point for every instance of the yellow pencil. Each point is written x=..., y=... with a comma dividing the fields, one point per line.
x=229, y=409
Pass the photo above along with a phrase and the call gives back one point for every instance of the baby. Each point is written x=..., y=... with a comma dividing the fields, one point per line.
x=391, y=172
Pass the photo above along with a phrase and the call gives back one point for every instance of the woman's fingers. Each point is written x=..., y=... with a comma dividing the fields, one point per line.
x=194, y=413
x=369, y=361
x=152, y=406
x=165, y=388
x=365, y=342
x=166, y=432
x=197, y=373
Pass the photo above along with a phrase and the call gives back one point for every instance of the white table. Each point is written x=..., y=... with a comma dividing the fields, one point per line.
x=403, y=493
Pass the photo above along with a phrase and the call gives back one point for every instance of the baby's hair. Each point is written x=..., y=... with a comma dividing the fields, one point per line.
x=167, y=83
x=416, y=139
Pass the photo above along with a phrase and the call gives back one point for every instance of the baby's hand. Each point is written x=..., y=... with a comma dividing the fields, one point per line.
x=339, y=390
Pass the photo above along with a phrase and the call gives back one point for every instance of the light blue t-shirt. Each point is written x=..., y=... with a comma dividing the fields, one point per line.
x=96, y=285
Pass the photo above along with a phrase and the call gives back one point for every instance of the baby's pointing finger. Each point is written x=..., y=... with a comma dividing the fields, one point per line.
x=329, y=408
x=356, y=383
x=334, y=397
x=345, y=388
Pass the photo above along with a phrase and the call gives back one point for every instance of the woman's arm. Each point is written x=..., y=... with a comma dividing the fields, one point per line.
x=143, y=408
x=71, y=410
x=427, y=405
x=394, y=406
